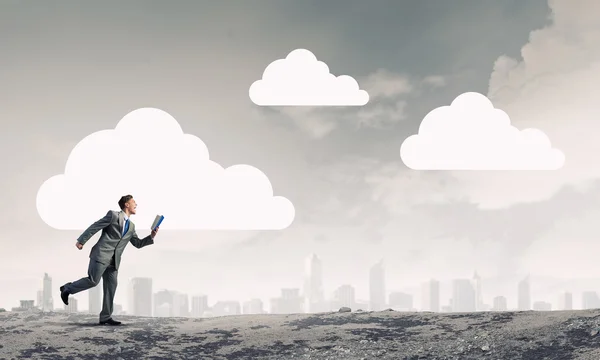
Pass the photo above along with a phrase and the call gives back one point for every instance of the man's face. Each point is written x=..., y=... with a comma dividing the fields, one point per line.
x=131, y=205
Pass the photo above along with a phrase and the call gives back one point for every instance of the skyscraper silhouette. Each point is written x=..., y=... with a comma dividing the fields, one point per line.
x=199, y=305
x=590, y=300
x=463, y=296
x=225, y=308
x=72, y=307
x=524, y=294
x=400, y=301
x=344, y=296
x=290, y=302
x=181, y=306
x=500, y=304
x=430, y=296
x=478, y=292
x=95, y=299
x=314, y=297
x=565, y=301
x=377, y=286
x=48, y=301
x=542, y=306
x=253, y=306
x=163, y=303
x=140, y=297
x=40, y=299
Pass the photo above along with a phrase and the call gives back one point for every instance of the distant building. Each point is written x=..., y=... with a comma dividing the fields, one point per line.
x=225, y=308
x=377, y=287
x=254, y=306
x=199, y=305
x=400, y=301
x=500, y=304
x=313, y=293
x=163, y=310
x=181, y=306
x=160, y=299
x=117, y=309
x=478, y=292
x=48, y=301
x=26, y=305
x=565, y=301
x=290, y=302
x=542, y=306
x=486, y=307
x=361, y=305
x=590, y=300
x=430, y=296
x=463, y=296
x=95, y=299
x=344, y=296
x=72, y=307
x=524, y=294
x=40, y=299
x=140, y=297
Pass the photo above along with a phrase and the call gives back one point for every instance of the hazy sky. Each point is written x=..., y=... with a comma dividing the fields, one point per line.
x=68, y=69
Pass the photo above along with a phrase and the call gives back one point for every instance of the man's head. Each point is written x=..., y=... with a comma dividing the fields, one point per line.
x=127, y=204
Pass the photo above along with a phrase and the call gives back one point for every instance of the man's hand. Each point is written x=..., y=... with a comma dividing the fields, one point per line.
x=153, y=234
x=79, y=245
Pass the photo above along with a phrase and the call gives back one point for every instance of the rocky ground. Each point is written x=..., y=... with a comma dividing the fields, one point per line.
x=561, y=335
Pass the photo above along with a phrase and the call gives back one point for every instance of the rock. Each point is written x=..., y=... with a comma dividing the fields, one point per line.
x=485, y=348
x=345, y=309
x=594, y=332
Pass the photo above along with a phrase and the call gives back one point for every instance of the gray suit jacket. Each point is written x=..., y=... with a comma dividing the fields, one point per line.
x=111, y=242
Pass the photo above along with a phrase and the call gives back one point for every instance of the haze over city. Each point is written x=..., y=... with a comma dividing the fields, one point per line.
x=69, y=71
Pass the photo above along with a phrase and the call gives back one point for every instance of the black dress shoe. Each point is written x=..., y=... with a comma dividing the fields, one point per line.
x=110, y=322
x=64, y=295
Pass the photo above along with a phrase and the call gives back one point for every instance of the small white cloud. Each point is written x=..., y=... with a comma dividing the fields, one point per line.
x=386, y=84
x=301, y=80
x=435, y=81
x=471, y=134
x=168, y=172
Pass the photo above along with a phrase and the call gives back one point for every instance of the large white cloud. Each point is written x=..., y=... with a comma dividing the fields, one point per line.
x=553, y=87
x=471, y=134
x=168, y=172
x=301, y=80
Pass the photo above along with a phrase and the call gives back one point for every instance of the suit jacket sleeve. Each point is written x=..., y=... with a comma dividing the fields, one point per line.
x=95, y=227
x=140, y=243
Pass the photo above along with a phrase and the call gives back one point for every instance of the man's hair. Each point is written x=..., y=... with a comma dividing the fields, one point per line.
x=123, y=200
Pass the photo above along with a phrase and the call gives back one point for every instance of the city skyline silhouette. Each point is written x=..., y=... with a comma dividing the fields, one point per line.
x=466, y=295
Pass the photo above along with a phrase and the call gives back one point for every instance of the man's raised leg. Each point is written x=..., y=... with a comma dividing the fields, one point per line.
x=95, y=272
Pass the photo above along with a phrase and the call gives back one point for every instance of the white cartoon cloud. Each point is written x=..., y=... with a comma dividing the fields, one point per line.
x=168, y=172
x=471, y=134
x=301, y=80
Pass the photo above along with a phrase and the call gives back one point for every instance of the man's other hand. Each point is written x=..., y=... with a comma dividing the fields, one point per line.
x=79, y=245
x=153, y=234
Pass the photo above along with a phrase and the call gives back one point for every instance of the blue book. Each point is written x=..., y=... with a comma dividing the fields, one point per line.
x=157, y=221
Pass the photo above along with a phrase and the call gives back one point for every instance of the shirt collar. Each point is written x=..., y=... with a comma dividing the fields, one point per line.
x=125, y=217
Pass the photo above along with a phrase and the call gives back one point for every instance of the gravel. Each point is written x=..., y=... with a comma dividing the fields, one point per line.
x=530, y=335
